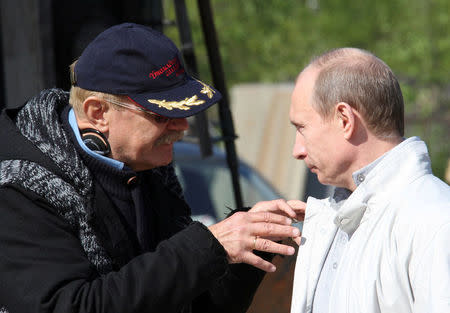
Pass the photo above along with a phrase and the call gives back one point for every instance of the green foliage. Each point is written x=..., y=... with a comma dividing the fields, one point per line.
x=272, y=40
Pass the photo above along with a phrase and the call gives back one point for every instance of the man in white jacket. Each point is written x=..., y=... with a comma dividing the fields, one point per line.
x=381, y=242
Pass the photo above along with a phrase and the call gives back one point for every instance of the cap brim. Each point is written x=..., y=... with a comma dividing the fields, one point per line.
x=184, y=100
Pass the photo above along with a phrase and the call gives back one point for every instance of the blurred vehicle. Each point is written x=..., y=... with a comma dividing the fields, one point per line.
x=207, y=183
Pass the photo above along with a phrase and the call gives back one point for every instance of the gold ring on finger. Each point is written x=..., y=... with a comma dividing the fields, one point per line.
x=254, y=242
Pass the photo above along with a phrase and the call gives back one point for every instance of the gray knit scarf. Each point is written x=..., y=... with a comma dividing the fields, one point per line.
x=71, y=196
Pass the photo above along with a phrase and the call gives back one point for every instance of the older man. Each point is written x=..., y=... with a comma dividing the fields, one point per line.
x=92, y=215
x=381, y=242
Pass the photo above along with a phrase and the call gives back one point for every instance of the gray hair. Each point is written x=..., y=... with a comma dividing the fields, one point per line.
x=366, y=83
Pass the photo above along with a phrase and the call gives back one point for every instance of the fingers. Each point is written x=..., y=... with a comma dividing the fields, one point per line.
x=268, y=217
x=266, y=245
x=270, y=229
x=258, y=262
x=244, y=232
x=297, y=240
x=299, y=207
x=286, y=208
x=278, y=206
x=294, y=209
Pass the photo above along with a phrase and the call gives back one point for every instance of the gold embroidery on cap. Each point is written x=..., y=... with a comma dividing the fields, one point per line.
x=182, y=105
x=207, y=90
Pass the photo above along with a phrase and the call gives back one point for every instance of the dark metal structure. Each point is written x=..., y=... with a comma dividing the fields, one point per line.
x=39, y=39
x=218, y=75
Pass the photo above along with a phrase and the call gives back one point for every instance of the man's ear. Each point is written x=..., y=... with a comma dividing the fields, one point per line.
x=94, y=110
x=345, y=116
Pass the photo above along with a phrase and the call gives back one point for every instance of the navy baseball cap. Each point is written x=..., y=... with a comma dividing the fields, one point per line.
x=143, y=64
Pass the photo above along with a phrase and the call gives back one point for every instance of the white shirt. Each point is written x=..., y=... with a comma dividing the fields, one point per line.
x=333, y=259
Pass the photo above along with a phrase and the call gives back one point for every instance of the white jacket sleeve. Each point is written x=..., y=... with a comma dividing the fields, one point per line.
x=431, y=281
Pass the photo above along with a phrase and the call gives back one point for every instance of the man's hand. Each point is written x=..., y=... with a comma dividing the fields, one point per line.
x=257, y=229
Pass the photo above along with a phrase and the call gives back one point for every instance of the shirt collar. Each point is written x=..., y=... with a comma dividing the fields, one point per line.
x=360, y=175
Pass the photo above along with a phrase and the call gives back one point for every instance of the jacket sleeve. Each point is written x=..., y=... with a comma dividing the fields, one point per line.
x=431, y=276
x=234, y=292
x=44, y=268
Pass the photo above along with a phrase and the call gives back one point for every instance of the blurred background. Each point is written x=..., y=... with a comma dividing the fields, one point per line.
x=260, y=41
x=263, y=45
x=269, y=41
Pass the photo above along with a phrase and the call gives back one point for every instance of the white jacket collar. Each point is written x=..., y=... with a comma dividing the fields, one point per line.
x=377, y=183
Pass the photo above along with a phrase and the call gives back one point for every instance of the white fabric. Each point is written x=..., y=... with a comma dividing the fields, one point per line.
x=333, y=259
x=398, y=257
x=329, y=272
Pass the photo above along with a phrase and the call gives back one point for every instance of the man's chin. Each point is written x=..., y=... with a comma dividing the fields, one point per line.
x=149, y=166
x=315, y=170
x=320, y=178
x=326, y=182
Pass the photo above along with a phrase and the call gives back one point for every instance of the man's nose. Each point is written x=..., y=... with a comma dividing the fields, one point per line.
x=178, y=124
x=299, y=149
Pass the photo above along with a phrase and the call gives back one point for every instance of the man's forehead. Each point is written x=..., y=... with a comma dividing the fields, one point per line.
x=302, y=96
x=304, y=85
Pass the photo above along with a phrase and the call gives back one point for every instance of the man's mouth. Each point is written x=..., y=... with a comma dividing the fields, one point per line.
x=169, y=138
x=311, y=167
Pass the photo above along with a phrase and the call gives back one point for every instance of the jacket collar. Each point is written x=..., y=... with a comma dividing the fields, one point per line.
x=397, y=168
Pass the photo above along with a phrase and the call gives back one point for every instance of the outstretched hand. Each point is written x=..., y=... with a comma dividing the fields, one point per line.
x=258, y=229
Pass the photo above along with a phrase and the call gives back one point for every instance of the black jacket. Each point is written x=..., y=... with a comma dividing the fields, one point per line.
x=65, y=248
